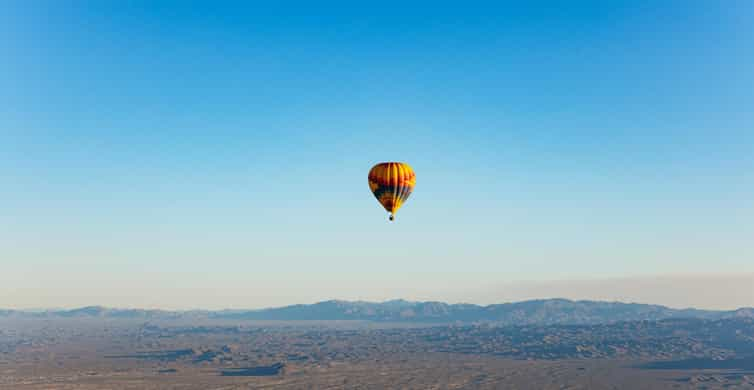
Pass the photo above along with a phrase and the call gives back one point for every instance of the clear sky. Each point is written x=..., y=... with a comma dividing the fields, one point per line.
x=167, y=154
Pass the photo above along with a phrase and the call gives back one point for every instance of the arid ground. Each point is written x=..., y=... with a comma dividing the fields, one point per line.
x=127, y=354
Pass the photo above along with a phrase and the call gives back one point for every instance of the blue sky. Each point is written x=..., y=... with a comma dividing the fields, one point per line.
x=155, y=154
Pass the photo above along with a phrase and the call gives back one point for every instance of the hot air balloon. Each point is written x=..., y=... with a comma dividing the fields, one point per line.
x=391, y=183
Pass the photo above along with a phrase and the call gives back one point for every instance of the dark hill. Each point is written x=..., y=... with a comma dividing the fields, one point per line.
x=544, y=312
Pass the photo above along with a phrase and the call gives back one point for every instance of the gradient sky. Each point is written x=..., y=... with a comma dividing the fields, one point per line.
x=156, y=154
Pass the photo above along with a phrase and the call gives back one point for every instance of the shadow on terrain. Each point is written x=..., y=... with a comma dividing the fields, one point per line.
x=746, y=363
x=156, y=355
x=272, y=370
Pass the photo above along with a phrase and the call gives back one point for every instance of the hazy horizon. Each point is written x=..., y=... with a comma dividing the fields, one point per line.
x=157, y=155
x=736, y=290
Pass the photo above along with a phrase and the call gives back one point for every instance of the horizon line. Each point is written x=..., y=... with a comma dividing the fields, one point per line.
x=73, y=308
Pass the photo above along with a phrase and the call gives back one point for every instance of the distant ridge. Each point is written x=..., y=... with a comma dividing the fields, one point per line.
x=534, y=312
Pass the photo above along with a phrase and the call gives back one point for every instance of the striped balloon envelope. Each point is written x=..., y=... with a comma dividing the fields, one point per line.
x=392, y=183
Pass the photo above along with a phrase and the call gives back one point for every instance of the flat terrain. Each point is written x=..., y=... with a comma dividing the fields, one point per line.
x=126, y=354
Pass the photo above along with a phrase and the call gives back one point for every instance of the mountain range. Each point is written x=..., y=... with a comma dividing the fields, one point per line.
x=532, y=312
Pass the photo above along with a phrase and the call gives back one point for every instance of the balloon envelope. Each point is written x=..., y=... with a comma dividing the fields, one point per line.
x=392, y=183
